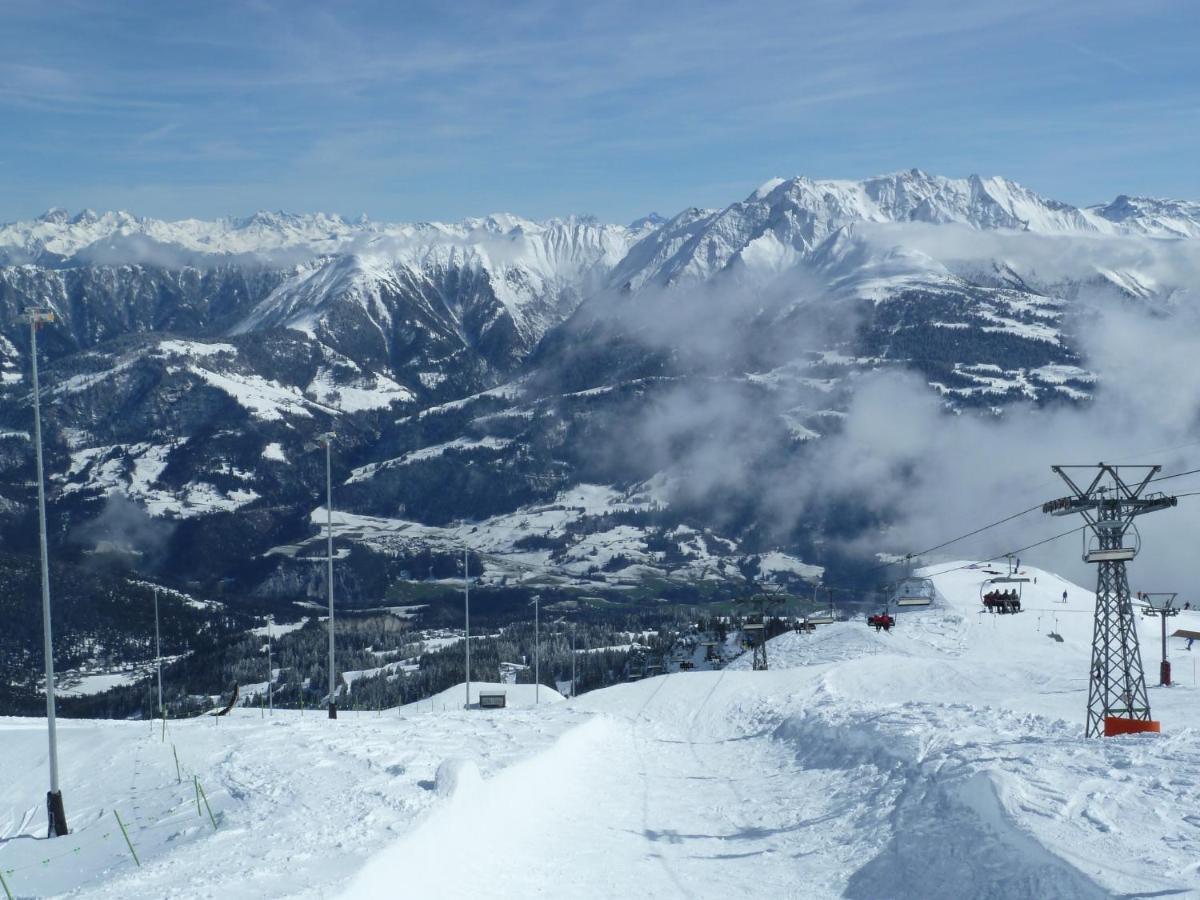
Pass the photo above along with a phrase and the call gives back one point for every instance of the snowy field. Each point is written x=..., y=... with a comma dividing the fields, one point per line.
x=941, y=760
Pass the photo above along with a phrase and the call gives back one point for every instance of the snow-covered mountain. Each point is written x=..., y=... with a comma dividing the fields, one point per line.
x=1155, y=218
x=497, y=284
x=787, y=221
x=480, y=372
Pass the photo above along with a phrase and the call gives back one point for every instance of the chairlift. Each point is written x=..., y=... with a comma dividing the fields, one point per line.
x=754, y=632
x=1094, y=553
x=913, y=591
x=883, y=621
x=1003, y=593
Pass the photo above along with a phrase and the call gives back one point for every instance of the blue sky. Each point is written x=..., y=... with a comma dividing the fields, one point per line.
x=409, y=111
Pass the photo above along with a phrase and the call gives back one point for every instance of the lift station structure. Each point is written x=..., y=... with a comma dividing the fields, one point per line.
x=1117, y=700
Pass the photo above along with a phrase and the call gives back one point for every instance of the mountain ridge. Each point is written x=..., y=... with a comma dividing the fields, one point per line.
x=490, y=373
x=906, y=195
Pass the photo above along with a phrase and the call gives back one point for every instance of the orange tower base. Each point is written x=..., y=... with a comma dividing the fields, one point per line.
x=1115, y=725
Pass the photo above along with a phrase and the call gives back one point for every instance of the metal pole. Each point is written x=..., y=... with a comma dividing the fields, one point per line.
x=54, y=804
x=329, y=523
x=537, y=651
x=467, y=614
x=573, y=691
x=270, y=669
x=162, y=710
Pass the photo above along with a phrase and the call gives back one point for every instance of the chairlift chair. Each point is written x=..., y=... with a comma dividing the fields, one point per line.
x=913, y=591
x=1003, y=593
x=883, y=621
x=1094, y=553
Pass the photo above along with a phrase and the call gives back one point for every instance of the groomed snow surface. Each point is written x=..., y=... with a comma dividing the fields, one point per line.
x=942, y=760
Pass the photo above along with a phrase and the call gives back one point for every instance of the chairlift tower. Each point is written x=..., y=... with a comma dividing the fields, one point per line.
x=1117, y=700
x=756, y=632
x=1161, y=604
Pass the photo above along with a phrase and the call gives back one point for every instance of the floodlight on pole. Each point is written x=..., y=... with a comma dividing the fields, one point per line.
x=537, y=649
x=162, y=710
x=36, y=316
x=270, y=668
x=562, y=620
x=327, y=440
x=467, y=618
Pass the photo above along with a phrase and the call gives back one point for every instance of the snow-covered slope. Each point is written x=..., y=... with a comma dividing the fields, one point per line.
x=941, y=760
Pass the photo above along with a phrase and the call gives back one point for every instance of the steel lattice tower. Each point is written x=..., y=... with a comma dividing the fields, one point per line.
x=760, y=603
x=1117, y=683
x=760, y=654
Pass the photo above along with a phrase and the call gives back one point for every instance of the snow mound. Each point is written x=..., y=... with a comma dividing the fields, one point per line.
x=455, y=776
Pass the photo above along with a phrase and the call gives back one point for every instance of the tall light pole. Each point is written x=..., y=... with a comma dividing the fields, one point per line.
x=162, y=710
x=537, y=649
x=55, y=812
x=270, y=668
x=571, y=624
x=467, y=617
x=327, y=438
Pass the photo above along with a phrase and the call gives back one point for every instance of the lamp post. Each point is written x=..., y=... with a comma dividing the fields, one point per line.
x=270, y=668
x=162, y=710
x=467, y=617
x=571, y=624
x=537, y=649
x=56, y=815
x=327, y=440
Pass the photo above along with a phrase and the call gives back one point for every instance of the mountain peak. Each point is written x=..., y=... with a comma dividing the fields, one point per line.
x=1151, y=216
x=651, y=220
x=56, y=215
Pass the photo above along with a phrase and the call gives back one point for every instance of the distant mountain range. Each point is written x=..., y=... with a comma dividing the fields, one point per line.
x=545, y=392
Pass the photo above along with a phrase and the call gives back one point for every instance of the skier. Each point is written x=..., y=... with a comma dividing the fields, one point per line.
x=1064, y=596
x=1189, y=644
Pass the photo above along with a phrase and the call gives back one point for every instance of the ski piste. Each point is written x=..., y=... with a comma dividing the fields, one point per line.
x=942, y=759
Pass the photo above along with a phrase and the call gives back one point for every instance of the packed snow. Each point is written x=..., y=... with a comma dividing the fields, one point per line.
x=943, y=759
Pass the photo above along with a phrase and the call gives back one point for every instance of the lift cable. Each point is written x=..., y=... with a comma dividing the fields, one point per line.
x=1009, y=553
x=1024, y=512
x=963, y=537
x=1175, y=475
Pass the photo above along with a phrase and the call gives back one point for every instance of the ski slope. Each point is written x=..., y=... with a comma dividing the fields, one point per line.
x=941, y=760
